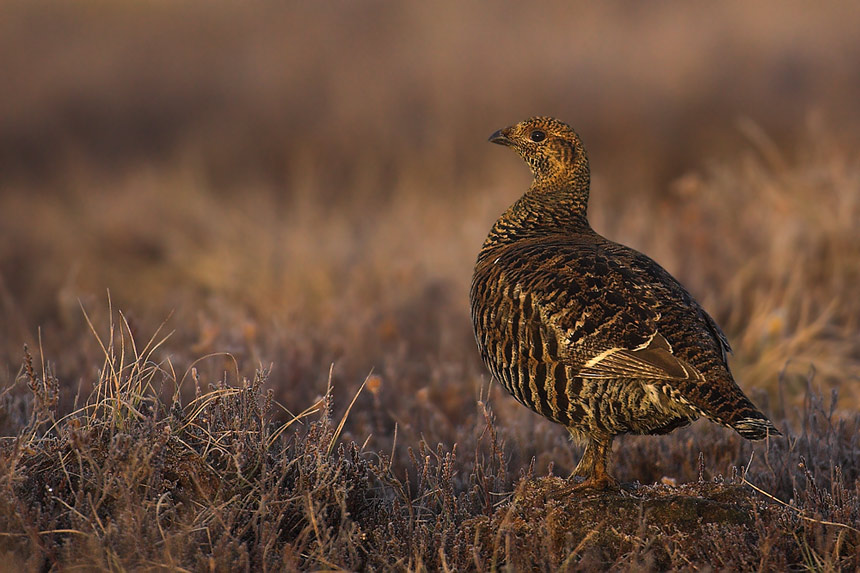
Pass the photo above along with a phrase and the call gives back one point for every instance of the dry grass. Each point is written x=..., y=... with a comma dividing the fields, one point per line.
x=131, y=481
x=286, y=192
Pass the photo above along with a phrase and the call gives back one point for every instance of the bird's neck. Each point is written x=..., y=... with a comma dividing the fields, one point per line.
x=547, y=208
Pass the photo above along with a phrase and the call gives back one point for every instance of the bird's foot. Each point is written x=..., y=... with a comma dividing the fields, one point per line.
x=604, y=482
x=590, y=485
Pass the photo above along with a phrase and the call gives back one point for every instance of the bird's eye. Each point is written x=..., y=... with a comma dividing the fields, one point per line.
x=537, y=136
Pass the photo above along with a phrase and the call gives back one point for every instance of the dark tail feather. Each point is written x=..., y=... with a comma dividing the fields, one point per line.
x=755, y=428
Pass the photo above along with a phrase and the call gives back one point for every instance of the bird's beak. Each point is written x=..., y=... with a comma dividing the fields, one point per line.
x=501, y=137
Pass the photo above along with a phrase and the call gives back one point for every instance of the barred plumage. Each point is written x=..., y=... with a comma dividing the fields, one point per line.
x=587, y=332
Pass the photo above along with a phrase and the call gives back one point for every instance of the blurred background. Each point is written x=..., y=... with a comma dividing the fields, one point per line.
x=301, y=184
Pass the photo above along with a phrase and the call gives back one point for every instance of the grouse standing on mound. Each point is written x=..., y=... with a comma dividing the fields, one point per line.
x=590, y=333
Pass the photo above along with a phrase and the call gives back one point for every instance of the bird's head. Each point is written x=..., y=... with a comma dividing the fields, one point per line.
x=551, y=148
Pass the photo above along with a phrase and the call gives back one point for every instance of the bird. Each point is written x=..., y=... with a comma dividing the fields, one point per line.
x=592, y=334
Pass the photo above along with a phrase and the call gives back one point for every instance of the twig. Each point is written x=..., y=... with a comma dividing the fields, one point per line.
x=799, y=511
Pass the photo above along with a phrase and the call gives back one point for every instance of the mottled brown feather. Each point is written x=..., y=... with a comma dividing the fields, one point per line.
x=592, y=334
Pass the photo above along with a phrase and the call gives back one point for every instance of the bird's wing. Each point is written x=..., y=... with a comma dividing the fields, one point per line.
x=718, y=333
x=658, y=279
x=607, y=314
x=654, y=362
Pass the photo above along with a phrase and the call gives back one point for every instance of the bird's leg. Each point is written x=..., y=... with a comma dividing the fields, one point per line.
x=593, y=466
x=585, y=467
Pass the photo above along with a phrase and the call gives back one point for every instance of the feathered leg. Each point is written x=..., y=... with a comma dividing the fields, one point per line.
x=594, y=467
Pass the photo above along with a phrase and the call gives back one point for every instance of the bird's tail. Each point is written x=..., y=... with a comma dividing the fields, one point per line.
x=722, y=401
x=755, y=426
x=736, y=411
